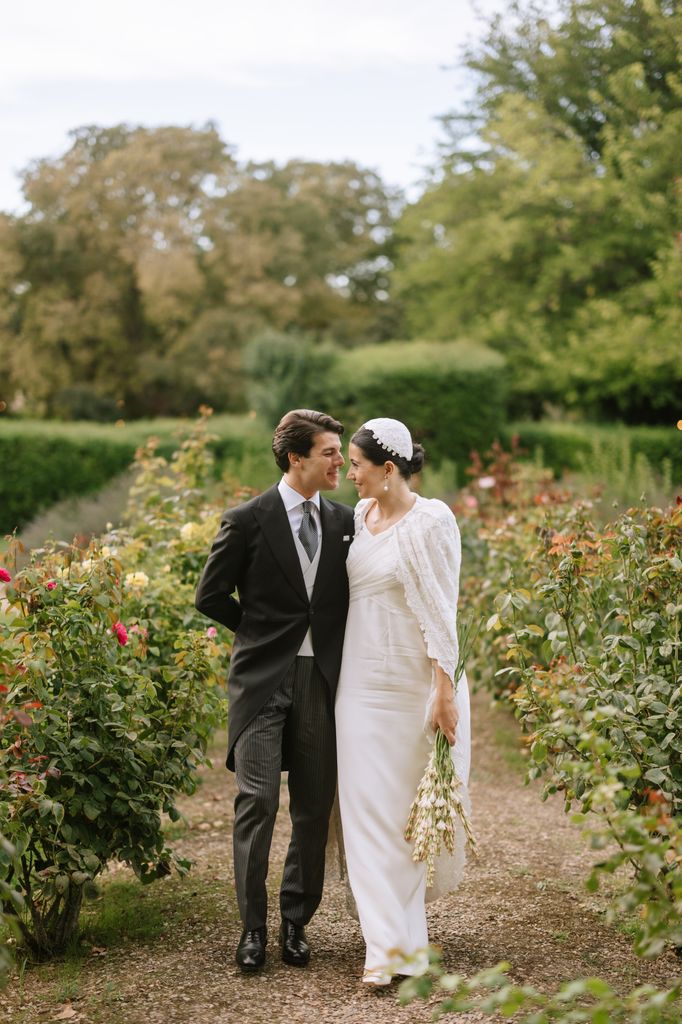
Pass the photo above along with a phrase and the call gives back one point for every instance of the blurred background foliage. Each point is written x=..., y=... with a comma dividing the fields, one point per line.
x=152, y=271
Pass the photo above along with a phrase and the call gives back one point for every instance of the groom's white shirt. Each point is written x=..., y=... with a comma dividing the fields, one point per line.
x=293, y=503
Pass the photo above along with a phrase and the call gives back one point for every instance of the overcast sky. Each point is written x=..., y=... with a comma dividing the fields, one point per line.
x=360, y=80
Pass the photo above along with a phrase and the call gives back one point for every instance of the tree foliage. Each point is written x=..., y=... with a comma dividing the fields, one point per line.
x=148, y=258
x=551, y=229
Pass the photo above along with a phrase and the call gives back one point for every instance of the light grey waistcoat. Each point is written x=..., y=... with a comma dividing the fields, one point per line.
x=309, y=570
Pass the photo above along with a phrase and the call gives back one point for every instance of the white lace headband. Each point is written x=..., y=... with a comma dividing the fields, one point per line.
x=392, y=435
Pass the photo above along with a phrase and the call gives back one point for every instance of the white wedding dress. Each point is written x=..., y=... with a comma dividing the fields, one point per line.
x=402, y=613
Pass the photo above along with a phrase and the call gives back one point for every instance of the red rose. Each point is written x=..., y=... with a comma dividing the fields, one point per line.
x=120, y=632
x=4, y=576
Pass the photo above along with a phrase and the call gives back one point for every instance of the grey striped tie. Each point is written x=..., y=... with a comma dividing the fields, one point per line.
x=307, y=531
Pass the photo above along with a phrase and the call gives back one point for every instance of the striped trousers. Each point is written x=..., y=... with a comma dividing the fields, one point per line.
x=297, y=725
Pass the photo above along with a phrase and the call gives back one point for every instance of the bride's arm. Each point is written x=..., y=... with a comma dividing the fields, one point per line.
x=444, y=711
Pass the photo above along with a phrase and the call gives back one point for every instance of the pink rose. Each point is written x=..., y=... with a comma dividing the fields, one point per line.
x=4, y=576
x=211, y=632
x=120, y=632
x=51, y=584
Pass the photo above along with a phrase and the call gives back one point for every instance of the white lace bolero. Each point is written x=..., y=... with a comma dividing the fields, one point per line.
x=430, y=553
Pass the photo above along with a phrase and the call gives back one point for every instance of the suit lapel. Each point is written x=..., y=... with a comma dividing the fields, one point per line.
x=332, y=527
x=274, y=522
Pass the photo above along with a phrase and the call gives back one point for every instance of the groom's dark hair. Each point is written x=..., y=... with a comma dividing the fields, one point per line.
x=296, y=432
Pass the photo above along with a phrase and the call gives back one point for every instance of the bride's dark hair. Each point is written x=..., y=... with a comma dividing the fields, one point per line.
x=377, y=455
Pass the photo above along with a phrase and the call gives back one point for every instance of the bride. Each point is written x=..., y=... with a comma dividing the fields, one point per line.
x=395, y=689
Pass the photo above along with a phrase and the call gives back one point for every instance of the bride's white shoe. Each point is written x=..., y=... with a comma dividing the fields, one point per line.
x=376, y=978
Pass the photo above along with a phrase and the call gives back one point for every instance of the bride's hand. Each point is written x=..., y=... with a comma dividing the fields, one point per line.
x=444, y=716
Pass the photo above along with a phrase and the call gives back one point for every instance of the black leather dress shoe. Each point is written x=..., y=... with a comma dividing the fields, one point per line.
x=295, y=949
x=251, y=949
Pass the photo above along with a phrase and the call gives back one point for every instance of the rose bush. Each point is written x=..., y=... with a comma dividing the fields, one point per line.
x=112, y=692
x=584, y=641
x=10, y=722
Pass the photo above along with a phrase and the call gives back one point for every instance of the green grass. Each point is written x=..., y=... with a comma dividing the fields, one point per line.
x=126, y=912
x=127, y=916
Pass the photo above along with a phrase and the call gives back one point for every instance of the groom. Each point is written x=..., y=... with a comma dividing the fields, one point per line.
x=284, y=553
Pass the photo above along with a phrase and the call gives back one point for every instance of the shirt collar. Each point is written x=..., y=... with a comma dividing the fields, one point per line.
x=292, y=498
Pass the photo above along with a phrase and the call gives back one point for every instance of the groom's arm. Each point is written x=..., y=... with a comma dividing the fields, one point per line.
x=221, y=574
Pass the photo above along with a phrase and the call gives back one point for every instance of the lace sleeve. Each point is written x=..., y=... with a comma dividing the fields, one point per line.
x=428, y=568
x=359, y=514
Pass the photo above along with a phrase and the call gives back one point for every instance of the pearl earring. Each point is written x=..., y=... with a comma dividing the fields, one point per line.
x=386, y=484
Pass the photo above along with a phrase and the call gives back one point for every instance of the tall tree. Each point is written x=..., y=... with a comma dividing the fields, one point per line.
x=149, y=257
x=550, y=233
x=306, y=245
x=107, y=256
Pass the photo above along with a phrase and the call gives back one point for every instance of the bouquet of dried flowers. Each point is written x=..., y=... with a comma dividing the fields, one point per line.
x=438, y=808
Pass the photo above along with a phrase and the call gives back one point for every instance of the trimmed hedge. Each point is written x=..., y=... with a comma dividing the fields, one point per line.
x=38, y=471
x=42, y=462
x=569, y=446
x=452, y=395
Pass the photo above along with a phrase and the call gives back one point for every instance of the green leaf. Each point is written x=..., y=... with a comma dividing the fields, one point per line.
x=598, y=987
x=538, y=751
x=91, y=860
x=91, y=810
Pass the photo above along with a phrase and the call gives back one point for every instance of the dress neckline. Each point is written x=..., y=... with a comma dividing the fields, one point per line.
x=393, y=525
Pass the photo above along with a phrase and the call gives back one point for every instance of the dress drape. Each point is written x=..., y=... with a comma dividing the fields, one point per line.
x=383, y=694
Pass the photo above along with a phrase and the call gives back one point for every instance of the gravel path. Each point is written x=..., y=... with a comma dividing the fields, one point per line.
x=524, y=901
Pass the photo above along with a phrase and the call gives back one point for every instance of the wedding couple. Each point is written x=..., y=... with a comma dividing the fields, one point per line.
x=344, y=654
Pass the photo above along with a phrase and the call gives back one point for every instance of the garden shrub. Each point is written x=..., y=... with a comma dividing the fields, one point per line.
x=37, y=471
x=288, y=371
x=577, y=446
x=491, y=992
x=9, y=897
x=43, y=461
x=452, y=395
x=114, y=677
x=584, y=641
x=81, y=402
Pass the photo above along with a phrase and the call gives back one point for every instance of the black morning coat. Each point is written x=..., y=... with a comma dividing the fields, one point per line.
x=254, y=553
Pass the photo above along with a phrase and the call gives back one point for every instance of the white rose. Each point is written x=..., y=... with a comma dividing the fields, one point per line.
x=136, y=580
